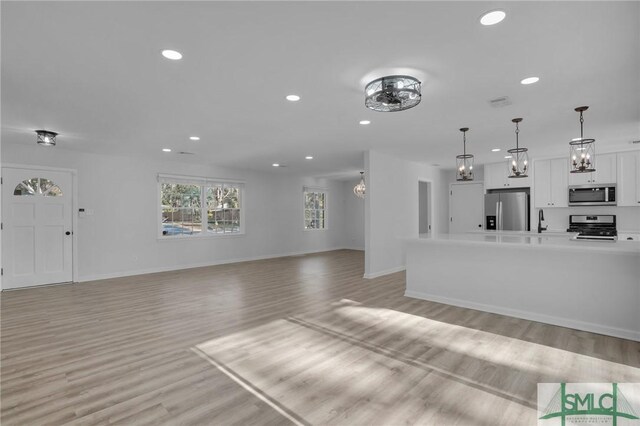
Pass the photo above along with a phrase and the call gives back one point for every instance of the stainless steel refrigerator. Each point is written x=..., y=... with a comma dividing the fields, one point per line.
x=507, y=211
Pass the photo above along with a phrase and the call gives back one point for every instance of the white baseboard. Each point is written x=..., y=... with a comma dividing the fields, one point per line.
x=385, y=272
x=563, y=322
x=96, y=277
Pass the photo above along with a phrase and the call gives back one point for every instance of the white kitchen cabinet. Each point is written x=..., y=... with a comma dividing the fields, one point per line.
x=628, y=178
x=496, y=177
x=550, y=186
x=605, y=172
x=628, y=236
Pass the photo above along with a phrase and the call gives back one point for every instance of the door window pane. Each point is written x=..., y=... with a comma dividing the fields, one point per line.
x=38, y=187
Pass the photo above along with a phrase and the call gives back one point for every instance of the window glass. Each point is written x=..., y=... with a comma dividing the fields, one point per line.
x=38, y=187
x=200, y=209
x=223, y=209
x=315, y=210
x=181, y=209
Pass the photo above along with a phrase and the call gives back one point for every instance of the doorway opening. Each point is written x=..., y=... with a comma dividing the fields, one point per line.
x=425, y=207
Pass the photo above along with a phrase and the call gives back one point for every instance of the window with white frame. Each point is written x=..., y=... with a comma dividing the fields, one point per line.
x=315, y=205
x=192, y=207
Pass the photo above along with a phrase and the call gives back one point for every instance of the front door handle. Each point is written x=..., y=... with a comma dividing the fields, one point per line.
x=67, y=233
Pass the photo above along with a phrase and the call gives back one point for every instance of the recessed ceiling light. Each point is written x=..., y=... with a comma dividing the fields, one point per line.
x=493, y=17
x=166, y=150
x=172, y=54
x=365, y=122
x=529, y=80
x=507, y=156
x=276, y=165
x=308, y=157
x=194, y=138
x=293, y=98
x=495, y=150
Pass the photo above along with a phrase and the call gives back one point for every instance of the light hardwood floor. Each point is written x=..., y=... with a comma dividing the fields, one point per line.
x=297, y=340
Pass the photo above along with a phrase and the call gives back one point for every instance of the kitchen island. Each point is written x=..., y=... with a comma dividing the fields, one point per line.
x=586, y=285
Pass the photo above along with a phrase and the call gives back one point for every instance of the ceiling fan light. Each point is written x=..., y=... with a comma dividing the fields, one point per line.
x=393, y=93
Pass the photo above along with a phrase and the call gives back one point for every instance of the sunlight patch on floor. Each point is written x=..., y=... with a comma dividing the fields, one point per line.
x=350, y=362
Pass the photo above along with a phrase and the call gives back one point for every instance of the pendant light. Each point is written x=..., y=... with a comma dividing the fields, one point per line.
x=582, y=150
x=464, y=162
x=519, y=161
x=46, y=138
x=359, y=189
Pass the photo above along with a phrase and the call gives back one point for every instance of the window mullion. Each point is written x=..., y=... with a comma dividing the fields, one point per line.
x=203, y=209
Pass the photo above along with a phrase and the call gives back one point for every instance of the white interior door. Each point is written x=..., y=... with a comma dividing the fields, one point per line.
x=466, y=205
x=37, y=227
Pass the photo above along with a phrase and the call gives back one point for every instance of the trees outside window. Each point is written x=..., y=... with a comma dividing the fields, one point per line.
x=197, y=209
x=315, y=214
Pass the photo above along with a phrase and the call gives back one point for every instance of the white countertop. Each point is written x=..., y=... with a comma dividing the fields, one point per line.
x=548, y=233
x=553, y=240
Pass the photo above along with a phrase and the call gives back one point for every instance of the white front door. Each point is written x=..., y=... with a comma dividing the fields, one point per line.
x=37, y=227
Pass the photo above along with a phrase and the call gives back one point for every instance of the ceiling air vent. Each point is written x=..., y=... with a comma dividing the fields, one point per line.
x=500, y=102
x=637, y=141
x=186, y=153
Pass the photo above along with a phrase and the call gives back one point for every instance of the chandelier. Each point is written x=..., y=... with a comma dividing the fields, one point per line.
x=46, y=138
x=582, y=150
x=359, y=189
x=464, y=161
x=519, y=161
x=392, y=93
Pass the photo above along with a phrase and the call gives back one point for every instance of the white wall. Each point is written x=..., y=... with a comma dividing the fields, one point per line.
x=121, y=237
x=353, y=217
x=391, y=209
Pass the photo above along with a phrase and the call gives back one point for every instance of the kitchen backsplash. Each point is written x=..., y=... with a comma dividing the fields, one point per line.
x=628, y=218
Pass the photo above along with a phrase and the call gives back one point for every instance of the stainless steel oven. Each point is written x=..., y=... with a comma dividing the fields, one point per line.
x=592, y=195
x=593, y=227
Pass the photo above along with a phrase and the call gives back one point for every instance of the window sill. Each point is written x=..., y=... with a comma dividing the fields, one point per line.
x=315, y=229
x=208, y=236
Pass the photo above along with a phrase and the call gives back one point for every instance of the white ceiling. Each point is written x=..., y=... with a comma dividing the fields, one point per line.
x=93, y=72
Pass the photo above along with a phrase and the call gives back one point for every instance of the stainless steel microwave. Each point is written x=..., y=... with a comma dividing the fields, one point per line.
x=592, y=195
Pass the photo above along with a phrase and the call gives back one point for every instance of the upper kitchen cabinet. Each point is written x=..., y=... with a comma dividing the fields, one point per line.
x=550, y=186
x=628, y=178
x=496, y=176
x=605, y=172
